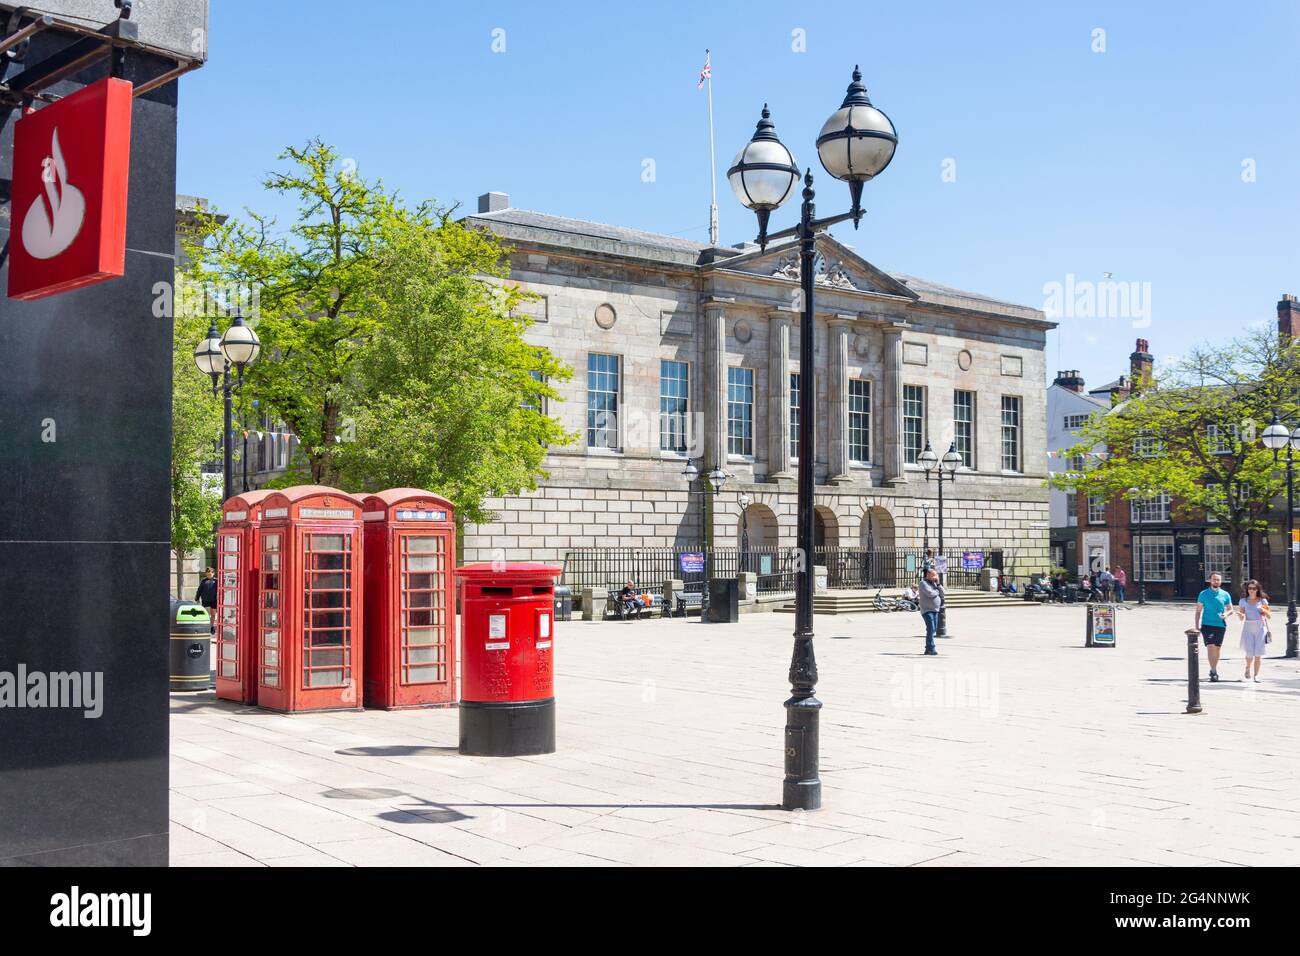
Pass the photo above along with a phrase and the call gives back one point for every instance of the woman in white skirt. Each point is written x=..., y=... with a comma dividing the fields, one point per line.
x=1253, y=609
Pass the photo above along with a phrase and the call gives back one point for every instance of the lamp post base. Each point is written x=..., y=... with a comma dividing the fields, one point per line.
x=802, y=789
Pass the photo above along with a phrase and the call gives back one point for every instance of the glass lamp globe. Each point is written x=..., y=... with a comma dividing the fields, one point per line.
x=690, y=472
x=764, y=173
x=1276, y=435
x=928, y=459
x=240, y=343
x=858, y=140
x=951, y=460
x=717, y=478
x=207, y=354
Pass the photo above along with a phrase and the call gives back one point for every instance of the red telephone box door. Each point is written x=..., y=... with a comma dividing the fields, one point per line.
x=328, y=623
x=234, y=667
x=426, y=672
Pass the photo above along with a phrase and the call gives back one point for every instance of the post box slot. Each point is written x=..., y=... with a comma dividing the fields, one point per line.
x=541, y=590
x=504, y=592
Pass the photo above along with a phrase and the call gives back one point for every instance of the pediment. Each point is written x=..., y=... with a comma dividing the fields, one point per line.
x=837, y=267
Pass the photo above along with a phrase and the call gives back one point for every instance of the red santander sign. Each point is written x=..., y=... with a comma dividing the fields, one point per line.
x=68, y=212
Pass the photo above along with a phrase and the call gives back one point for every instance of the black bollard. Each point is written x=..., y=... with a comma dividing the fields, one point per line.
x=1193, y=672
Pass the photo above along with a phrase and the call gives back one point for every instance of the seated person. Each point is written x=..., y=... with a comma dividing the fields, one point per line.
x=911, y=594
x=629, y=599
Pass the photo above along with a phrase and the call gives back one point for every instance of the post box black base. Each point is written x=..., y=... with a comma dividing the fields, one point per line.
x=507, y=729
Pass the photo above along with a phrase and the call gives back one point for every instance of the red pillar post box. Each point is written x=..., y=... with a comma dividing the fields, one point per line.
x=309, y=549
x=410, y=632
x=507, y=706
x=235, y=648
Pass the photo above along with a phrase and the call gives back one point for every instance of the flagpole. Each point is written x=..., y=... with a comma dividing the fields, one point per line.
x=713, y=164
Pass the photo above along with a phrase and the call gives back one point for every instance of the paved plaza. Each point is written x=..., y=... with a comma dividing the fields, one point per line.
x=1017, y=745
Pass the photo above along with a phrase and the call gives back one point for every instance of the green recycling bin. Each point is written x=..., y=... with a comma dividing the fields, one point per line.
x=191, y=646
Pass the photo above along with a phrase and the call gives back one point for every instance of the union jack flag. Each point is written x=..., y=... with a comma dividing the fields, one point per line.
x=706, y=73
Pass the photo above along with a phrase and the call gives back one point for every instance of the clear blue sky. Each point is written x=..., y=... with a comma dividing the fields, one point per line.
x=1068, y=161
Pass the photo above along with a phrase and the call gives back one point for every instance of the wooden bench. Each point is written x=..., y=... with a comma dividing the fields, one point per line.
x=687, y=601
x=617, y=608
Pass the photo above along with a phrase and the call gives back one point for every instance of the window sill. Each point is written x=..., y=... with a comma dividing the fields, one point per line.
x=605, y=452
x=740, y=459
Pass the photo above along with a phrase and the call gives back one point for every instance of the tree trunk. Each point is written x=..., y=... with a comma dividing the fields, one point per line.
x=1239, y=570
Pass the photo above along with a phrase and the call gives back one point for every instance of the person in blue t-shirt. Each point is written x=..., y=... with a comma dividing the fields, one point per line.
x=1210, y=607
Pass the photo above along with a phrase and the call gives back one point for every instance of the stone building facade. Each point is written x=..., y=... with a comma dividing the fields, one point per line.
x=685, y=351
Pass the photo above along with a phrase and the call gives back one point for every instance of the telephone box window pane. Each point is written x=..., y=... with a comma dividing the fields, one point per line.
x=423, y=675
x=271, y=618
x=271, y=677
x=416, y=582
x=424, y=545
x=232, y=542
x=327, y=542
x=324, y=581
x=424, y=563
x=228, y=633
x=271, y=656
x=271, y=638
x=230, y=615
x=320, y=638
x=227, y=651
x=418, y=599
x=272, y=599
x=327, y=658
x=329, y=678
x=270, y=582
x=271, y=542
x=230, y=579
x=271, y=562
x=423, y=655
x=422, y=618
x=227, y=670
x=422, y=635
x=230, y=562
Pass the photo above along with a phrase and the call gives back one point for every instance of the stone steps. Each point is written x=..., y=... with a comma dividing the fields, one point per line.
x=853, y=602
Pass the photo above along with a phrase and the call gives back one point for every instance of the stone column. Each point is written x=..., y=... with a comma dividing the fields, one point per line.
x=778, y=400
x=890, y=407
x=837, y=401
x=714, y=361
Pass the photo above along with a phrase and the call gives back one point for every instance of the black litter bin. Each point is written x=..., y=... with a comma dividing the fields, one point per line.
x=563, y=602
x=191, y=646
x=724, y=600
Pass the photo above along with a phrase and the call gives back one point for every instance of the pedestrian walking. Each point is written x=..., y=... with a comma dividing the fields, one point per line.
x=931, y=596
x=1210, y=621
x=1254, y=612
x=206, y=594
x=1121, y=583
x=1105, y=581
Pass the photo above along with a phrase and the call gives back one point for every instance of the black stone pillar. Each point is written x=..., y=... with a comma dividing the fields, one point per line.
x=85, y=419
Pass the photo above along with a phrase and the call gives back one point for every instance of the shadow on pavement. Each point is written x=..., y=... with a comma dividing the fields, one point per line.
x=398, y=750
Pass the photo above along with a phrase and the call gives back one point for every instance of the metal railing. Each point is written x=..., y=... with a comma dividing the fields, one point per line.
x=846, y=568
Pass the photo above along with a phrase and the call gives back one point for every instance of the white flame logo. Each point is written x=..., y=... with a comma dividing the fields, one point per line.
x=48, y=231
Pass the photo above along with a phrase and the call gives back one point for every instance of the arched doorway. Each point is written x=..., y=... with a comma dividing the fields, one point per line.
x=877, y=529
x=879, y=565
x=826, y=528
x=758, y=534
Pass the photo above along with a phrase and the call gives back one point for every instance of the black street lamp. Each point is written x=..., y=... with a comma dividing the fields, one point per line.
x=215, y=355
x=1136, y=539
x=1276, y=437
x=855, y=145
x=941, y=470
x=745, y=501
x=925, y=533
x=709, y=487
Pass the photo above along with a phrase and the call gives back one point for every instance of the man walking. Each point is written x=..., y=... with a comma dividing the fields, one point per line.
x=931, y=597
x=1210, y=606
x=207, y=595
x=1105, y=581
x=1121, y=582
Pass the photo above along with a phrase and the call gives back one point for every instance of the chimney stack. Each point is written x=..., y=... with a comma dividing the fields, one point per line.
x=1139, y=365
x=1070, y=379
x=493, y=202
x=1288, y=317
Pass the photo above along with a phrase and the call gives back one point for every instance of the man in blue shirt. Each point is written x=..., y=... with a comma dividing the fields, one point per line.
x=1210, y=607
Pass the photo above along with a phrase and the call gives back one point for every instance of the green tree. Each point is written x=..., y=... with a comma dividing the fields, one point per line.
x=391, y=347
x=450, y=396
x=1193, y=434
x=196, y=428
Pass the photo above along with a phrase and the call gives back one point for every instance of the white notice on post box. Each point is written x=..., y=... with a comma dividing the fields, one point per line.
x=497, y=633
x=544, y=626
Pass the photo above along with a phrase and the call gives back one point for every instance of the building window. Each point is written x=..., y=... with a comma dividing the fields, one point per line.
x=1075, y=421
x=1220, y=440
x=1154, y=557
x=963, y=426
x=1010, y=433
x=674, y=399
x=859, y=420
x=1076, y=462
x=913, y=422
x=603, y=384
x=1218, y=555
x=1096, y=509
x=1071, y=508
x=740, y=412
x=1150, y=510
x=1147, y=445
x=794, y=416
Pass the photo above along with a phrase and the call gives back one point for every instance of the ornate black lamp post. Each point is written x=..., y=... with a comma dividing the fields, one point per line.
x=1134, y=494
x=215, y=355
x=925, y=533
x=855, y=145
x=941, y=470
x=709, y=487
x=744, y=501
x=1276, y=437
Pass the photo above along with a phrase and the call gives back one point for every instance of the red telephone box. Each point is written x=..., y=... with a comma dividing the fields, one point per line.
x=507, y=706
x=410, y=633
x=309, y=600
x=236, y=638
